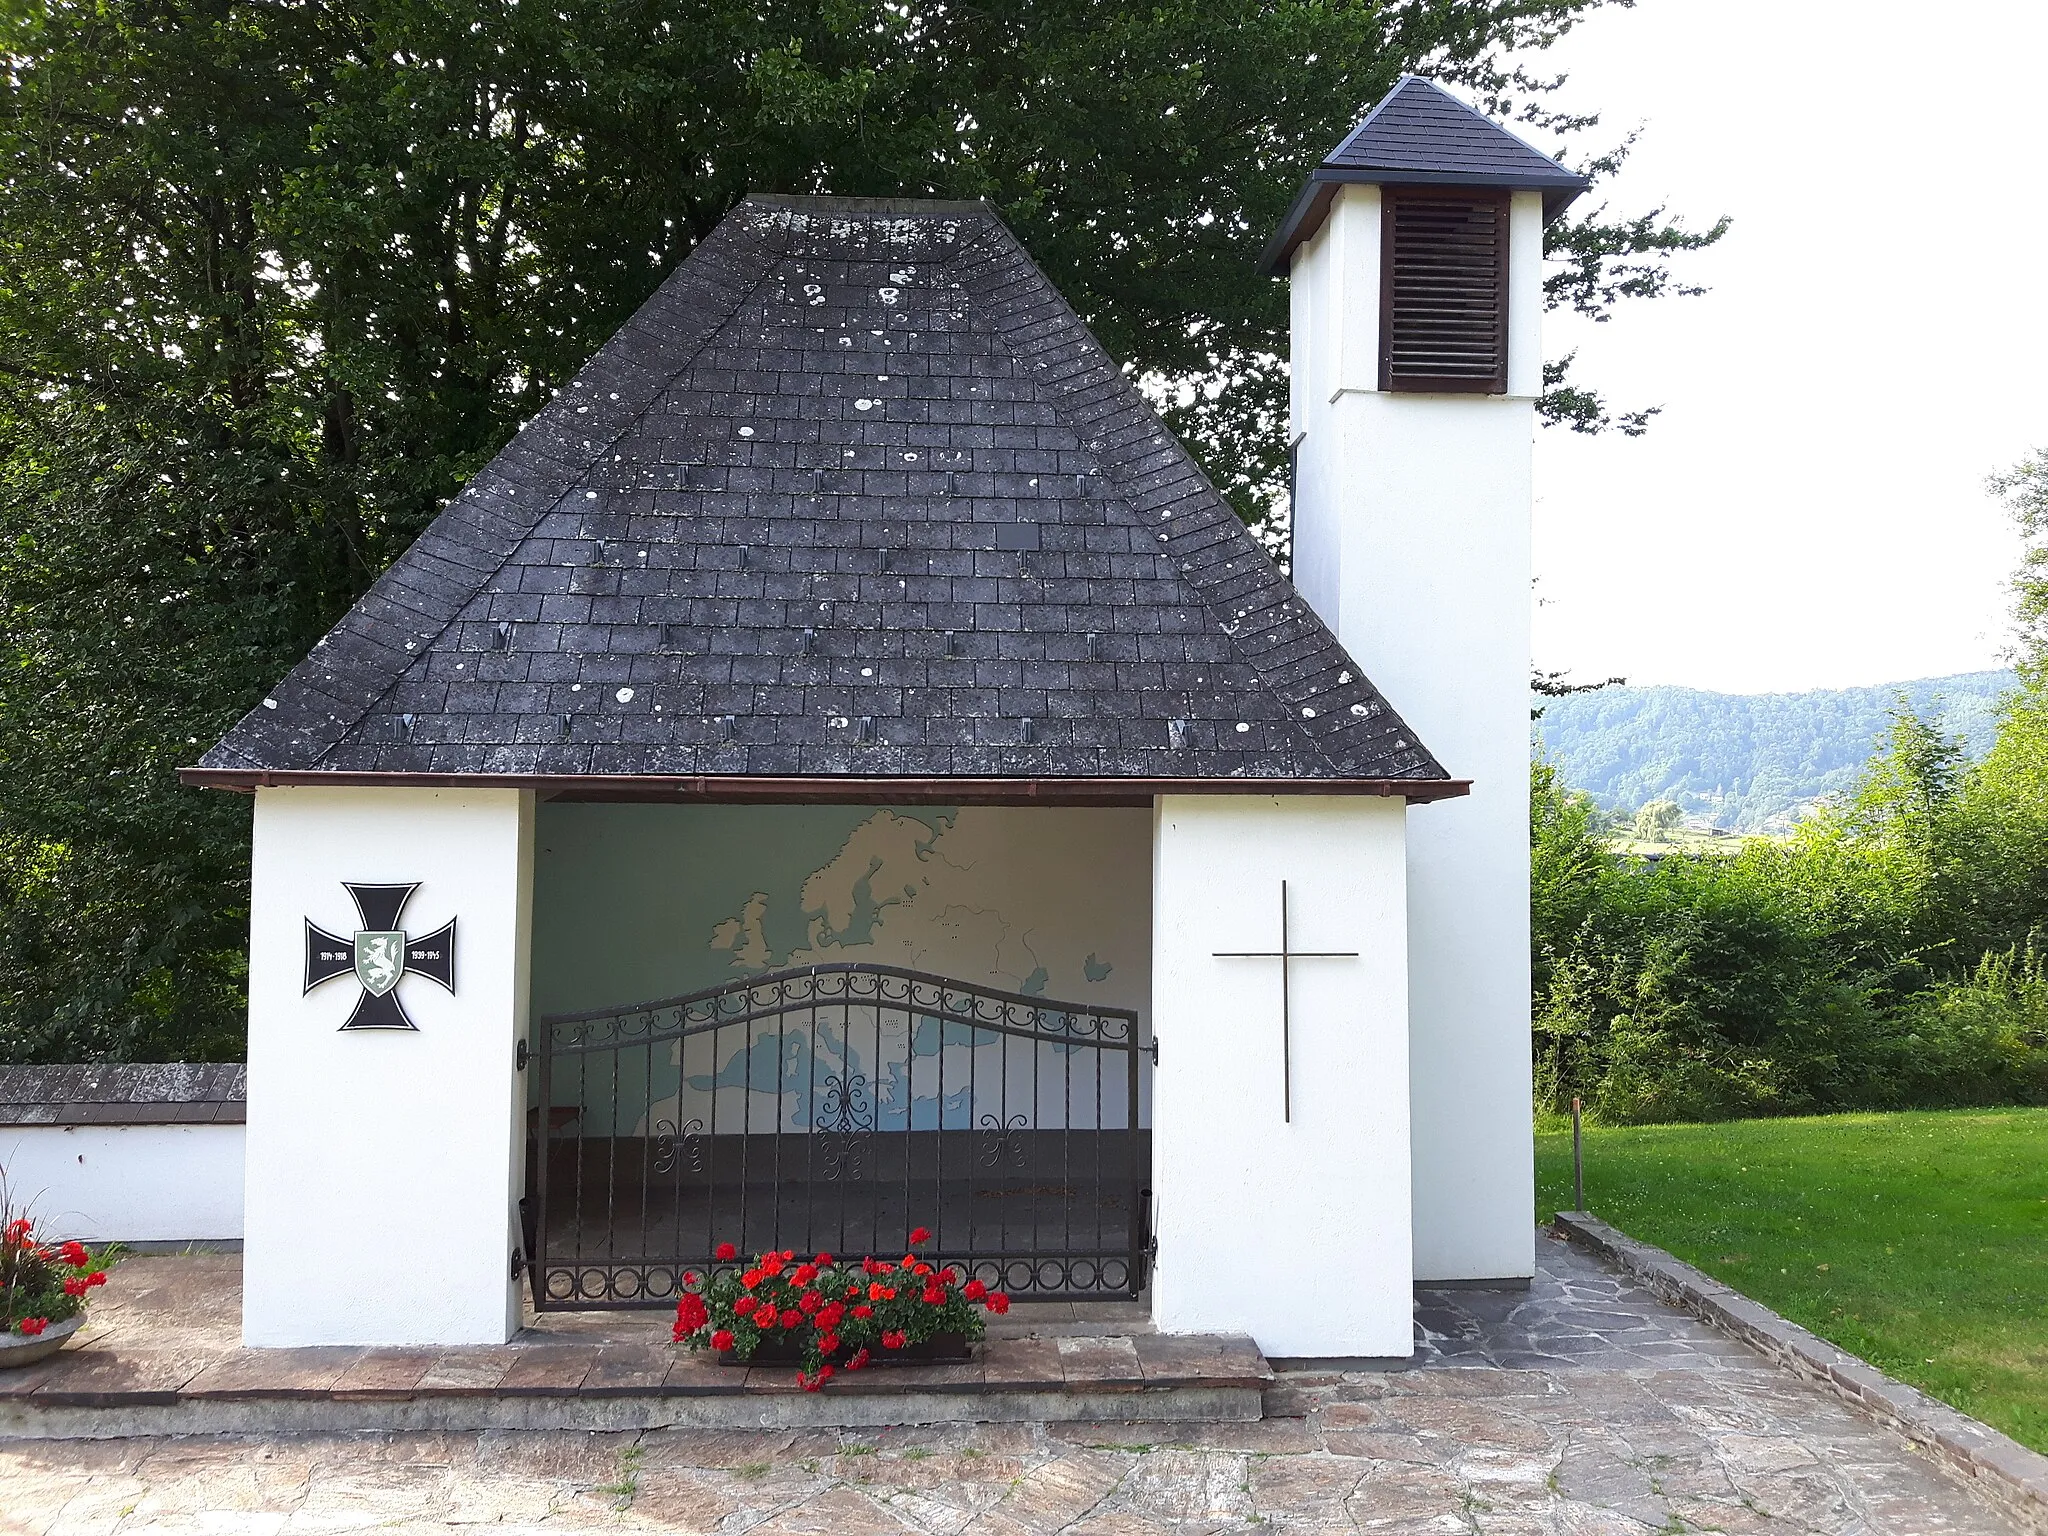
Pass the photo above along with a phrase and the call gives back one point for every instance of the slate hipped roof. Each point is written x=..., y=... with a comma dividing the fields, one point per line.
x=1422, y=135
x=854, y=499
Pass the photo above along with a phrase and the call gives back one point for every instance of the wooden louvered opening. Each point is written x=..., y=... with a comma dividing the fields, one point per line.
x=1444, y=290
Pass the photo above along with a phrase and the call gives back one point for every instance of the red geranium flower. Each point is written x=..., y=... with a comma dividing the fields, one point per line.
x=974, y=1290
x=751, y=1278
x=827, y=1342
x=822, y=1260
x=894, y=1340
x=809, y=1303
x=863, y=1310
x=772, y=1265
x=920, y=1234
x=934, y=1296
x=726, y=1253
x=809, y=1383
x=691, y=1313
x=722, y=1339
x=74, y=1254
x=97, y=1279
x=75, y=1286
x=743, y=1305
x=803, y=1274
x=791, y=1319
x=998, y=1303
x=860, y=1358
x=31, y=1326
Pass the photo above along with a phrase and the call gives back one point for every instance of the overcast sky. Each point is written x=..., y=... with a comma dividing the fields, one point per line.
x=1809, y=510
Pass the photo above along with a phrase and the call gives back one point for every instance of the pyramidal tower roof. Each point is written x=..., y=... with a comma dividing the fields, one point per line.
x=1422, y=135
x=853, y=505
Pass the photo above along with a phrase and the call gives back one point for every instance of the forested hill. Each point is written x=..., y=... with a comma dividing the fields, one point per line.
x=1746, y=761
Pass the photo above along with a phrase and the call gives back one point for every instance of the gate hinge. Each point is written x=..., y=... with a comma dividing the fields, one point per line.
x=1154, y=1049
x=518, y=1263
x=519, y=1058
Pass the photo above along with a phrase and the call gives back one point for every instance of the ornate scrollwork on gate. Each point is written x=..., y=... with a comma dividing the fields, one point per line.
x=846, y=1121
x=666, y=1139
x=847, y=1105
x=1003, y=1141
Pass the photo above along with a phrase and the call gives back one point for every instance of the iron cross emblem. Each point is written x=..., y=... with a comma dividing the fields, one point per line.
x=1286, y=956
x=379, y=955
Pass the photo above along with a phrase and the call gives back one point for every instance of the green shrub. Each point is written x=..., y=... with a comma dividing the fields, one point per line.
x=1982, y=1039
x=1885, y=957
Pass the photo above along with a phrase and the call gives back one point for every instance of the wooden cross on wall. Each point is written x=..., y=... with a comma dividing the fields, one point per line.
x=1286, y=956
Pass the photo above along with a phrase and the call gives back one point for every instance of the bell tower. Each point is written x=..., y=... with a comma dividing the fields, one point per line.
x=1414, y=257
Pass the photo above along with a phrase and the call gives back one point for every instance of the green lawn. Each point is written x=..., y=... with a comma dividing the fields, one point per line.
x=1918, y=1241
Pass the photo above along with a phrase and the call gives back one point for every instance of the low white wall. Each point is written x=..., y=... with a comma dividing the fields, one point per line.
x=127, y=1183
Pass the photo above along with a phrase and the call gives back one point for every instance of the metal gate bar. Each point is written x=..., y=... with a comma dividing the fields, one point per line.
x=833, y=1108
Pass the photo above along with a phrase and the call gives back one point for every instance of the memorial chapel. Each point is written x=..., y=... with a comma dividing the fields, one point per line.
x=842, y=767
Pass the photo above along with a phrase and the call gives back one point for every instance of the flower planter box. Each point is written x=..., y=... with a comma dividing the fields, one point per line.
x=939, y=1347
x=17, y=1349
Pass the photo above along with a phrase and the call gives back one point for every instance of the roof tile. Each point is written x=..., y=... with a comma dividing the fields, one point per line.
x=853, y=462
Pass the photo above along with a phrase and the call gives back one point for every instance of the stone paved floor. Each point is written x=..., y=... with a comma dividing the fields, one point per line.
x=1580, y=1408
x=1577, y=1313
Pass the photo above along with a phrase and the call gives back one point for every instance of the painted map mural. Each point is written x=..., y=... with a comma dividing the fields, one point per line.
x=636, y=903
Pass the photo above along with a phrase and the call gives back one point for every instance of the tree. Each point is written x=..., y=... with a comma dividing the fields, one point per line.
x=1657, y=820
x=275, y=278
x=1997, y=897
x=2024, y=488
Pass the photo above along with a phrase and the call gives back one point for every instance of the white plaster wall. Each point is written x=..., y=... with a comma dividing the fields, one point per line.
x=127, y=1183
x=1334, y=291
x=1295, y=1232
x=384, y=1166
x=1412, y=540
x=1439, y=617
x=1525, y=295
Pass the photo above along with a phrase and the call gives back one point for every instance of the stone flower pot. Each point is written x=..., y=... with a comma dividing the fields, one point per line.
x=940, y=1346
x=16, y=1349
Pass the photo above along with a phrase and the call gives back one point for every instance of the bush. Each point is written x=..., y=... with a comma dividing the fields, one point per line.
x=1982, y=1039
x=1885, y=957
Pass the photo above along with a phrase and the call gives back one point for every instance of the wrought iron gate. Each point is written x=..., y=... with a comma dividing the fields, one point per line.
x=833, y=1109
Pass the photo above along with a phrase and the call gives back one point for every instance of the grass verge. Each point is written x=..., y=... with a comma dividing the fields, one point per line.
x=1918, y=1241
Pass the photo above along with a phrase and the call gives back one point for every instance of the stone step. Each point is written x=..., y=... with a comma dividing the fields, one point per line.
x=161, y=1353
x=107, y=1390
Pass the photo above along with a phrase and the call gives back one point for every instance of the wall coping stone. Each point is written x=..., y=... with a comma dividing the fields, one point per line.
x=69, y=1094
x=2010, y=1475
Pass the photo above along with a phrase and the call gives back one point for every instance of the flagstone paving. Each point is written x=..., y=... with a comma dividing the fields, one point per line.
x=1581, y=1407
